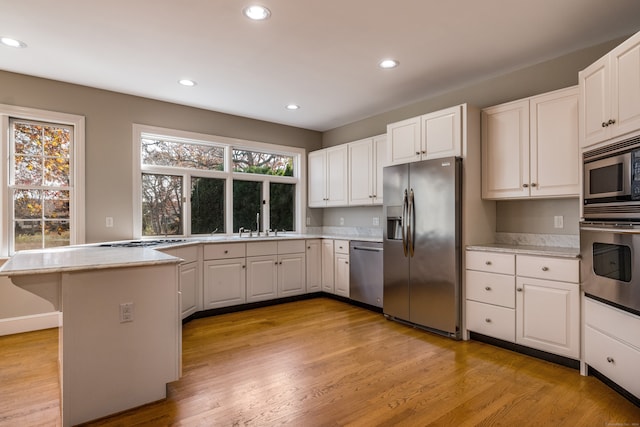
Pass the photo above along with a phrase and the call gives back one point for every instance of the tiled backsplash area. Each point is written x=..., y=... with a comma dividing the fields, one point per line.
x=348, y=232
x=529, y=239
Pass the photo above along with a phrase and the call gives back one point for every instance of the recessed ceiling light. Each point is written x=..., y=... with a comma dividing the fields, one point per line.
x=388, y=63
x=8, y=41
x=187, y=82
x=256, y=12
x=293, y=107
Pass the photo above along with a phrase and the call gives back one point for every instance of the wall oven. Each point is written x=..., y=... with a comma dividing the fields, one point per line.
x=610, y=266
x=612, y=181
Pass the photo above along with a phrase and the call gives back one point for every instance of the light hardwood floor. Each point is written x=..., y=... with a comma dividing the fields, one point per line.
x=322, y=362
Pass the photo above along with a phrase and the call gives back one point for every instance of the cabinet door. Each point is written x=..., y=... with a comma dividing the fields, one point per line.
x=505, y=151
x=336, y=176
x=554, y=148
x=316, y=173
x=342, y=275
x=380, y=156
x=291, y=275
x=442, y=133
x=328, y=266
x=403, y=141
x=548, y=316
x=314, y=265
x=224, y=282
x=625, y=86
x=262, y=278
x=189, y=288
x=361, y=172
x=595, y=102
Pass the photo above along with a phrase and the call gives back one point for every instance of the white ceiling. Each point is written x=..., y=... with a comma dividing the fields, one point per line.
x=321, y=55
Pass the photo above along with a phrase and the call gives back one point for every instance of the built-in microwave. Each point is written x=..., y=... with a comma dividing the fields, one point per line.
x=612, y=181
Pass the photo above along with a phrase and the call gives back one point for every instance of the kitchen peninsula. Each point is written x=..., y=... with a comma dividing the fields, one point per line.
x=120, y=343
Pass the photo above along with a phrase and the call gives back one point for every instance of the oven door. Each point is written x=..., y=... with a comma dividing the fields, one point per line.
x=610, y=269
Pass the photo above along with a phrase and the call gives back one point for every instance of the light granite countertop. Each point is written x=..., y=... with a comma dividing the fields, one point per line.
x=554, y=251
x=59, y=260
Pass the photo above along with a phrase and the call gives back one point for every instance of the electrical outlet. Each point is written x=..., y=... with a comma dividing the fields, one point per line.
x=341, y=221
x=376, y=221
x=109, y=221
x=126, y=312
x=308, y=220
x=558, y=221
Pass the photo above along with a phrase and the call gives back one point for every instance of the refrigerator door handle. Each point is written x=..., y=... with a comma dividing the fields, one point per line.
x=412, y=224
x=405, y=213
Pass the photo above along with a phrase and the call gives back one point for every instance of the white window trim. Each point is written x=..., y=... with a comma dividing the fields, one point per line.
x=77, y=212
x=299, y=171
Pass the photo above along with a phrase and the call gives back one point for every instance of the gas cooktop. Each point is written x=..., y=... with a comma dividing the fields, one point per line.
x=142, y=243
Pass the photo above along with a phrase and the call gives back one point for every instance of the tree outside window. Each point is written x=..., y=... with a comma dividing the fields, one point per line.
x=40, y=184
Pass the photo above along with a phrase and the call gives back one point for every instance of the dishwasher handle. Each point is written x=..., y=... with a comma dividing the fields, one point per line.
x=367, y=248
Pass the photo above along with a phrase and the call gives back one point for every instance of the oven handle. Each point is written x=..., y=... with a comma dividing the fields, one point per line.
x=612, y=230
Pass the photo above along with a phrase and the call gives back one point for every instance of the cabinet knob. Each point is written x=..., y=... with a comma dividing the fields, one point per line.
x=487, y=262
x=604, y=124
x=519, y=289
x=424, y=151
x=487, y=320
x=533, y=184
x=610, y=122
x=525, y=185
x=244, y=266
x=417, y=153
x=226, y=251
x=346, y=262
x=487, y=288
x=610, y=360
x=545, y=268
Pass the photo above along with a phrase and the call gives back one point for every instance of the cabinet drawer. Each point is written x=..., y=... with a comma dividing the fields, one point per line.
x=491, y=262
x=291, y=246
x=341, y=246
x=491, y=320
x=224, y=250
x=496, y=289
x=188, y=253
x=611, y=321
x=262, y=248
x=565, y=270
x=613, y=359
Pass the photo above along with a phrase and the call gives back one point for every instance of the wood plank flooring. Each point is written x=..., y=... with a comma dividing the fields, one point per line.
x=322, y=362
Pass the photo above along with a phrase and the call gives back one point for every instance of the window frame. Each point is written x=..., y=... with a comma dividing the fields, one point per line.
x=299, y=177
x=76, y=170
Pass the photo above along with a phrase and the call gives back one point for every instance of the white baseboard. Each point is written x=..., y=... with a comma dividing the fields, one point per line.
x=34, y=322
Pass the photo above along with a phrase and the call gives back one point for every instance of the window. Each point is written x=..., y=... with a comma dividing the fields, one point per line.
x=194, y=184
x=40, y=180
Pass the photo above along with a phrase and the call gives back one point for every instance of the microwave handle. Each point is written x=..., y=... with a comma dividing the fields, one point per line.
x=614, y=230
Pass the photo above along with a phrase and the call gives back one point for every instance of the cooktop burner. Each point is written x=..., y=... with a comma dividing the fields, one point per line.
x=142, y=243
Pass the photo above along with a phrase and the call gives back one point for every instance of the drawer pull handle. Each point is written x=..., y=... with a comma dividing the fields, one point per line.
x=487, y=320
x=545, y=268
x=610, y=360
x=487, y=262
x=487, y=288
x=519, y=289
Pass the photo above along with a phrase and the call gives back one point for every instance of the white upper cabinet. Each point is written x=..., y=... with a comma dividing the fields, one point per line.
x=610, y=94
x=530, y=147
x=367, y=157
x=430, y=136
x=327, y=172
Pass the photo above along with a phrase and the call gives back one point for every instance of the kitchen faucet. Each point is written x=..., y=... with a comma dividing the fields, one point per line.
x=258, y=224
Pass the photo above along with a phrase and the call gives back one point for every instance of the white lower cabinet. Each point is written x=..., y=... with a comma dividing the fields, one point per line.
x=341, y=268
x=224, y=282
x=529, y=300
x=328, y=261
x=190, y=283
x=262, y=278
x=224, y=275
x=612, y=344
x=314, y=265
x=277, y=269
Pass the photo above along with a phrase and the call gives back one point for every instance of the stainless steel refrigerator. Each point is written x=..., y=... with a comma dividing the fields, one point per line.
x=422, y=238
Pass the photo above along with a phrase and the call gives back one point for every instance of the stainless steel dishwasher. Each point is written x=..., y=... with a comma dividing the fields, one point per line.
x=365, y=272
